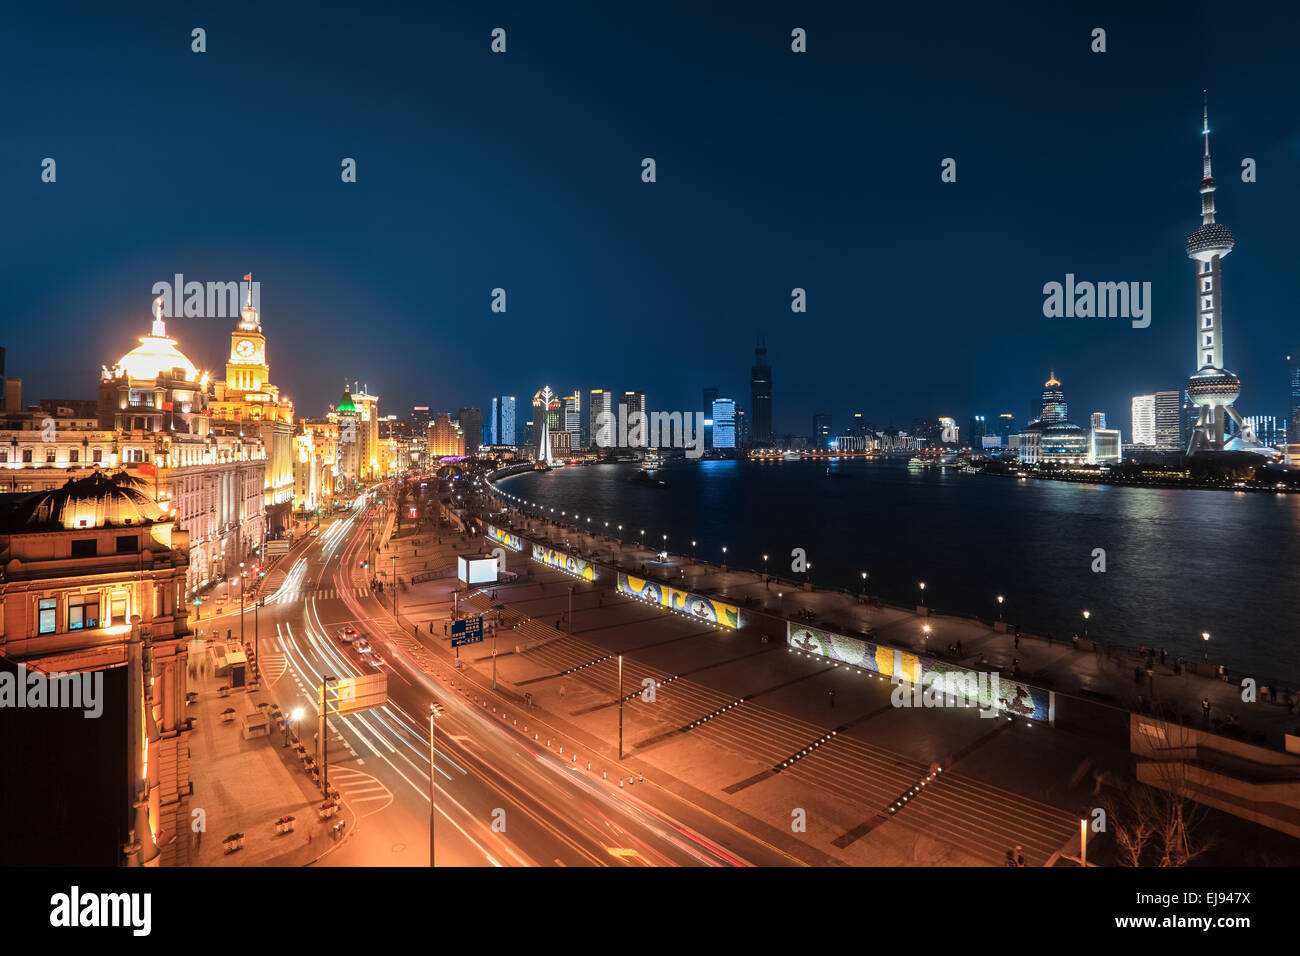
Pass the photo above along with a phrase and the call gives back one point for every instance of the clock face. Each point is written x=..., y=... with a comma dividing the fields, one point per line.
x=245, y=348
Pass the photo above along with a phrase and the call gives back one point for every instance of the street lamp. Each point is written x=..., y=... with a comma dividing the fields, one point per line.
x=926, y=638
x=1205, y=636
x=1086, y=615
x=1000, y=600
x=295, y=717
x=864, y=583
x=435, y=711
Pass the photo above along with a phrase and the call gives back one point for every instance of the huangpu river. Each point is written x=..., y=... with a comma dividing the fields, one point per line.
x=1177, y=563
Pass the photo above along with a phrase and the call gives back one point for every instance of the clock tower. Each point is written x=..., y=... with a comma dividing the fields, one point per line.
x=247, y=370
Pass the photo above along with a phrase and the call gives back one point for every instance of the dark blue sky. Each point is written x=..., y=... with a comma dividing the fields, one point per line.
x=775, y=170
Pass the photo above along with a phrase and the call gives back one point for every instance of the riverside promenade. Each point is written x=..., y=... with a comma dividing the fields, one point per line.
x=760, y=736
x=1090, y=669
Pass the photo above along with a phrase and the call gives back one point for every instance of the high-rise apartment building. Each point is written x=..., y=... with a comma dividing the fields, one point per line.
x=710, y=396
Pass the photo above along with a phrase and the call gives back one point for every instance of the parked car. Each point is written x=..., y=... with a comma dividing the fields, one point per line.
x=348, y=635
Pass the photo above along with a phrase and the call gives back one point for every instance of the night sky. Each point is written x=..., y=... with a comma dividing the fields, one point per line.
x=775, y=170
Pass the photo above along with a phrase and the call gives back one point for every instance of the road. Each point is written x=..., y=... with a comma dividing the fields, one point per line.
x=503, y=799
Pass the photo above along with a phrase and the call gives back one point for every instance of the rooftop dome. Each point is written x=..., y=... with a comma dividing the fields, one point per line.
x=345, y=406
x=96, y=501
x=1210, y=239
x=157, y=354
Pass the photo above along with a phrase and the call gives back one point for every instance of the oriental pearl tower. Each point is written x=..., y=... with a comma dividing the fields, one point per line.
x=1213, y=388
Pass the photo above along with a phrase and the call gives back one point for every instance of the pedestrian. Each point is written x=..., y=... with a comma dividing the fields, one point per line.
x=1162, y=655
x=832, y=698
x=561, y=690
x=1075, y=641
x=1017, y=642
x=1205, y=707
x=1020, y=857
x=959, y=648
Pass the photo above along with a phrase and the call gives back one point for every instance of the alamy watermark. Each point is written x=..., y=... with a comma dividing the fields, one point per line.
x=35, y=689
x=637, y=429
x=1102, y=300
x=211, y=300
x=950, y=689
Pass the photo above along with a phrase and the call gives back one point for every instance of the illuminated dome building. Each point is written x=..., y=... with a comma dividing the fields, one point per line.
x=158, y=404
x=154, y=388
x=1052, y=438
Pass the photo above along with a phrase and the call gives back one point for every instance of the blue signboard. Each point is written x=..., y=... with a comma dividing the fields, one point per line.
x=468, y=630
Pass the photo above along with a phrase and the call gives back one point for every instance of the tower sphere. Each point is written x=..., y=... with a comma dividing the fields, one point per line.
x=1210, y=240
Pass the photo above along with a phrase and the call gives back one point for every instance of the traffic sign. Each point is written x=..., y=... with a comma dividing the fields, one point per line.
x=468, y=630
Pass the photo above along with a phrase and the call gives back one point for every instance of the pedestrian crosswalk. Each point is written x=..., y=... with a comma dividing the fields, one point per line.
x=321, y=594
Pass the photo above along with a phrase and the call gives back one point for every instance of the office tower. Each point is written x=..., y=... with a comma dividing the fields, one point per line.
x=1212, y=389
x=710, y=396
x=977, y=428
x=821, y=430
x=494, y=422
x=573, y=419
x=1006, y=426
x=1055, y=408
x=635, y=431
x=1097, y=420
x=1169, y=428
x=471, y=426
x=1144, y=420
x=542, y=429
x=421, y=418
x=743, y=436
x=760, y=395
x=444, y=438
x=506, y=434
x=724, y=423
x=1269, y=430
x=602, y=429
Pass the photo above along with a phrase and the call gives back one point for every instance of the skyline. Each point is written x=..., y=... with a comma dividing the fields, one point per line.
x=597, y=258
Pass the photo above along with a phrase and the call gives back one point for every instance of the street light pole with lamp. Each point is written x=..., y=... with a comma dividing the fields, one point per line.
x=1086, y=615
x=1000, y=600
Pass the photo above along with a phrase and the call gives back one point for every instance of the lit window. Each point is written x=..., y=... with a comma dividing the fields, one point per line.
x=117, y=610
x=83, y=611
x=45, y=615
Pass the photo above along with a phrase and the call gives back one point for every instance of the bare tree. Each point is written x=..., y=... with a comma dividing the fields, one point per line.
x=1159, y=824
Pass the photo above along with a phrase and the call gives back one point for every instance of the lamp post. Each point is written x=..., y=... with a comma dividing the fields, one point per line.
x=1000, y=600
x=295, y=717
x=1205, y=636
x=1086, y=615
x=864, y=584
x=241, y=604
x=620, y=707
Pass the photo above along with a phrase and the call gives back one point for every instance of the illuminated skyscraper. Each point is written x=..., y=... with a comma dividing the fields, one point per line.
x=507, y=433
x=1144, y=420
x=600, y=410
x=724, y=423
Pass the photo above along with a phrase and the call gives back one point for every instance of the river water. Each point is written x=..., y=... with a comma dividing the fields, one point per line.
x=1177, y=562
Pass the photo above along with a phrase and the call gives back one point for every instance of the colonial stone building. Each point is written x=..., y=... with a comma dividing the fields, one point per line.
x=92, y=577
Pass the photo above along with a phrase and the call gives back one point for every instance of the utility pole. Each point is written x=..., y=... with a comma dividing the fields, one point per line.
x=395, y=617
x=620, y=707
x=323, y=745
